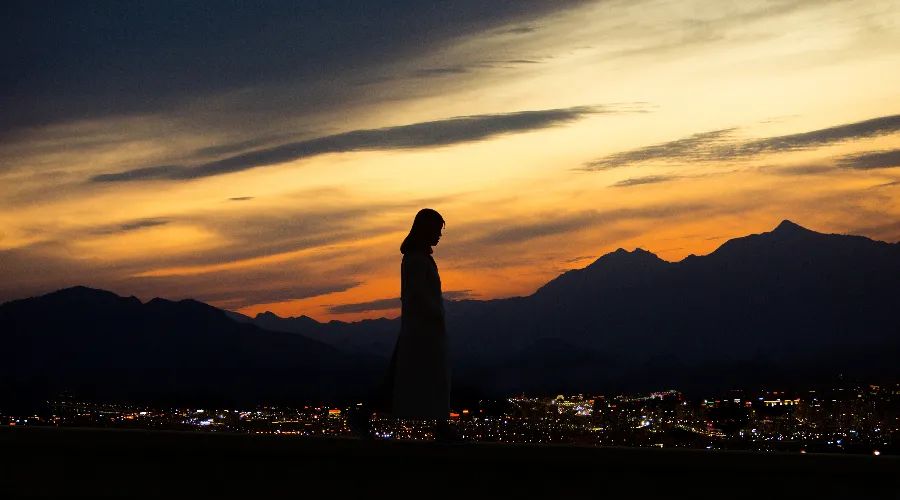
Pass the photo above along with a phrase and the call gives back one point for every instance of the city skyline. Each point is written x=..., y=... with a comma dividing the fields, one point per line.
x=840, y=417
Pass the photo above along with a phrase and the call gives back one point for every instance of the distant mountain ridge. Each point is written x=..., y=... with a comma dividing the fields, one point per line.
x=95, y=344
x=788, y=305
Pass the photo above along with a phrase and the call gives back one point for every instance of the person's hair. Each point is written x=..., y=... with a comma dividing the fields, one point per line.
x=426, y=221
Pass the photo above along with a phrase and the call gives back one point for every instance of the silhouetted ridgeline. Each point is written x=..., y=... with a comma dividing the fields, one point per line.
x=786, y=306
x=97, y=345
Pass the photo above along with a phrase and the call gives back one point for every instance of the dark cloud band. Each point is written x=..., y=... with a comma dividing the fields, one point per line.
x=872, y=160
x=418, y=135
x=822, y=137
x=133, y=225
x=718, y=145
x=650, y=179
x=693, y=146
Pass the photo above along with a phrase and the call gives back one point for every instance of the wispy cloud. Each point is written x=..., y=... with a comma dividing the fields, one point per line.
x=719, y=145
x=390, y=303
x=696, y=146
x=250, y=233
x=414, y=136
x=650, y=179
x=229, y=148
x=887, y=184
x=522, y=61
x=258, y=233
x=440, y=71
x=871, y=160
x=236, y=297
x=132, y=225
x=791, y=170
x=521, y=30
x=458, y=294
x=371, y=305
x=573, y=260
x=552, y=225
x=816, y=138
x=462, y=69
x=656, y=179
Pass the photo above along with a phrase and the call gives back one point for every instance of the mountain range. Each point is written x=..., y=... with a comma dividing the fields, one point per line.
x=786, y=307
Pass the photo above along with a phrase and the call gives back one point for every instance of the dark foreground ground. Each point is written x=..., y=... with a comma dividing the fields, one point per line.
x=66, y=462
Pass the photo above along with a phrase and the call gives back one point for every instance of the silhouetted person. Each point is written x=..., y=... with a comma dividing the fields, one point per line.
x=416, y=385
x=421, y=378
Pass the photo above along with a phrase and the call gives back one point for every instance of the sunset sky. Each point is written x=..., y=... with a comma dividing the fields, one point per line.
x=270, y=156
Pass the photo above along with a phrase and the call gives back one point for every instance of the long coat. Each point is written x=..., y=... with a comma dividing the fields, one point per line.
x=420, y=368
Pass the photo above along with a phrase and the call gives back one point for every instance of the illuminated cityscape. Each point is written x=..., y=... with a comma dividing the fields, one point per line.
x=852, y=419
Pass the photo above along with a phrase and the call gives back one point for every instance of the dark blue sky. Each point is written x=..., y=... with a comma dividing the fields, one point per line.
x=73, y=60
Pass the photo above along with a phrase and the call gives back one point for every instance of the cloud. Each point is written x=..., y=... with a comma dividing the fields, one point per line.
x=132, y=225
x=237, y=297
x=718, y=145
x=888, y=231
x=45, y=267
x=655, y=179
x=116, y=60
x=241, y=198
x=155, y=172
x=445, y=132
x=817, y=138
x=460, y=69
x=391, y=303
x=321, y=229
x=335, y=219
x=41, y=268
x=142, y=223
x=448, y=70
x=887, y=184
x=228, y=148
x=573, y=260
x=871, y=160
x=791, y=170
x=521, y=30
x=552, y=225
x=240, y=288
x=258, y=233
x=458, y=294
x=371, y=305
x=695, y=146
x=650, y=179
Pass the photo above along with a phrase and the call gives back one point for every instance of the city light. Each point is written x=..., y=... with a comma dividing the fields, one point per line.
x=863, y=419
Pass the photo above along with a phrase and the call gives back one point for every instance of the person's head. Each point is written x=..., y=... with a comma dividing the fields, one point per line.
x=425, y=231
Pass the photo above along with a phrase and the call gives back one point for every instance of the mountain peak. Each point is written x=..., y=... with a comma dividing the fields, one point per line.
x=622, y=255
x=787, y=226
x=84, y=293
x=272, y=317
